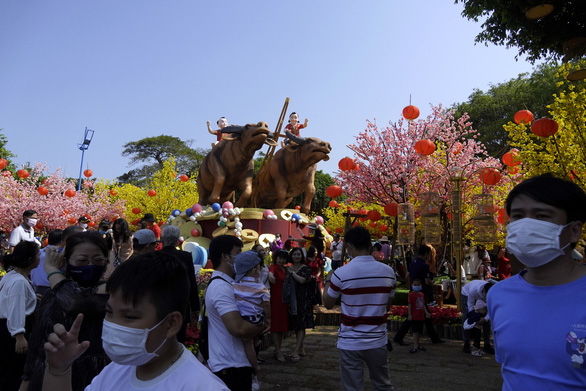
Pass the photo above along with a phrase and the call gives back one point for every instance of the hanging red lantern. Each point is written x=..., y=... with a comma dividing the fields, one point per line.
x=70, y=193
x=3, y=163
x=346, y=164
x=23, y=174
x=136, y=210
x=383, y=227
x=391, y=208
x=184, y=178
x=512, y=170
x=356, y=167
x=333, y=204
x=425, y=147
x=511, y=158
x=523, y=117
x=71, y=220
x=374, y=224
x=457, y=148
x=334, y=191
x=362, y=212
x=91, y=224
x=490, y=176
x=43, y=190
x=339, y=230
x=373, y=215
x=152, y=193
x=113, y=192
x=544, y=127
x=88, y=173
x=135, y=222
x=356, y=224
x=411, y=112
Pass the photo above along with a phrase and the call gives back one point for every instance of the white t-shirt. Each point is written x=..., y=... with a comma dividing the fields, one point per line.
x=226, y=351
x=20, y=234
x=17, y=301
x=187, y=373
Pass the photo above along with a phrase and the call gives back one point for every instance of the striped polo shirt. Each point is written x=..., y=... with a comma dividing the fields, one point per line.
x=366, y=286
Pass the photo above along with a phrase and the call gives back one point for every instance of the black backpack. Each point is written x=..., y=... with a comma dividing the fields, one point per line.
x=203, y=340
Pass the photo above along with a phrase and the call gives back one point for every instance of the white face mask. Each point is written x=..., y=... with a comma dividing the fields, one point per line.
x=32, y=222
x=84, y=225
x=535, y=242
x=127, y=345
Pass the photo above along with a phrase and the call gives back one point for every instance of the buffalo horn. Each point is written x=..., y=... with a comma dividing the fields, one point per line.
x=292, y=137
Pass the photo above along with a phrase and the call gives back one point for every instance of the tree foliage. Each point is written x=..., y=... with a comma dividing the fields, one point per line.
x=171, y=194
x=549, y=37
x=5, y=153
x=564, y=153
x=490, y=110
x=155, y=151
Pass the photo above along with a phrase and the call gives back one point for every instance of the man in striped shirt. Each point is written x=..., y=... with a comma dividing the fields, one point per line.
x=367, y=288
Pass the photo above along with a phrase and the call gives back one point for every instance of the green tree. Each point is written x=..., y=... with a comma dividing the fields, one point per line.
x=320, y=200
x=4, y=153
x=551, y=37
x=490, y=110
x=155, y=151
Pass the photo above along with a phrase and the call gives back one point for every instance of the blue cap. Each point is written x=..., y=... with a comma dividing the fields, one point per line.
x=245, y=261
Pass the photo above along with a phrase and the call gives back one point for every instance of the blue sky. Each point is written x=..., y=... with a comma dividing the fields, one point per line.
x=133, y=69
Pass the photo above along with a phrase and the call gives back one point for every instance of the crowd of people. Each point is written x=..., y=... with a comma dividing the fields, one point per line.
x=109, y=309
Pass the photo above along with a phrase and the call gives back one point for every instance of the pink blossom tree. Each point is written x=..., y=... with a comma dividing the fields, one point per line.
x=55, y=209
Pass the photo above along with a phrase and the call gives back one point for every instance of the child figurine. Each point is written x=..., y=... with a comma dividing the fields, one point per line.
x=252, y=297
x=473, y=325
x=294, y=126
x=417, y=314
x=222, y=123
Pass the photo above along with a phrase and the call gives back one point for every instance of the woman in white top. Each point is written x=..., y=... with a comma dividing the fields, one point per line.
x=17, y=303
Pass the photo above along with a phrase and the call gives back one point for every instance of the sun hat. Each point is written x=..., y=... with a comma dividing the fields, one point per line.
x=245, y=261
x=149, y=217
x=145, y=236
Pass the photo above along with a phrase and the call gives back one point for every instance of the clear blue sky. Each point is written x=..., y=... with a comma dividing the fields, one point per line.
x=138, y=68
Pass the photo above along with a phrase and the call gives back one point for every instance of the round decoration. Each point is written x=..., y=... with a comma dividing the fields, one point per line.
x=286, y=214
x=186, y=228
x=266, y=239
x=249, y=235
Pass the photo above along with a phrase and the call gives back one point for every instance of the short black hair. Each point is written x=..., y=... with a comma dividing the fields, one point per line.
x=378, y=247
x=280, y=254
x=222, y=244
x=487, y=286
x=296, y=249
x=424, y=249
x=157, y=277
x=311, y=251
x=550, y=190
x=29, y=213
x=218, y=121
x=358, y=237
x=24, y=255
x=55, y=237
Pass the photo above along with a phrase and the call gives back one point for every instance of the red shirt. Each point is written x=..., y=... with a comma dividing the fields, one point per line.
x=504, y=271
x=157, y=231
x=417, y=303
x=294, y=129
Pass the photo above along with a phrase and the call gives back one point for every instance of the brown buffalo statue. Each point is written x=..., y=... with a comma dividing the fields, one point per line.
x=230, y=164
x=291, y=172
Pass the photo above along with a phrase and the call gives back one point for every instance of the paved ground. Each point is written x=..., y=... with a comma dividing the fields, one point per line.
x=442, y=367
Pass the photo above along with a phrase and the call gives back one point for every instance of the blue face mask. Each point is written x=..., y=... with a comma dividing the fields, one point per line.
x=88, y=275
x=417, y=288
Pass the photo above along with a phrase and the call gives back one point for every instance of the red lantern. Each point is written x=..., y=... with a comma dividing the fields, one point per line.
x=411, y=112
x=136, y=210
x=391, y=208
x=334, y=191
x=43, y=190
x=523, y=117
x=511, y=158
x=425, y=147
x=6, y=173
x=113, y=192
x=91, y=224
x=195, y=232
x=490, y=176
x=184, y=178
x=152, y=193
x=512, y=170
x=356, y=224
x=373, y=215
x=88, y=173
x=333, y=204
x=23, y=174
x=135, y=222
x=3, y=163
x=346, y=164
x=383, y=227
x=71, y=220
x=339, y=230
x=373, y=224
x=457, y=148
x=544, y=127
x=70, y=193
x=356, y=167
x=297, y=207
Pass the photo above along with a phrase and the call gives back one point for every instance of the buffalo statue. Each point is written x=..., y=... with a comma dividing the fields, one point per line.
x=230, y=164
x=291, y=172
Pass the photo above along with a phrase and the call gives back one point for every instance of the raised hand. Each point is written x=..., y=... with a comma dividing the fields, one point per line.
x=62, y=347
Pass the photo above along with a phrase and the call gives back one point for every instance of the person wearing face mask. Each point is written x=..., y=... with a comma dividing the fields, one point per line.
x=472, y=292
x=25, y=231
x=77, y=289
x=226, y=328
x=82, y=222
x=144, y=312
x=538, y=316
x=252, y=298
x=417, y=314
